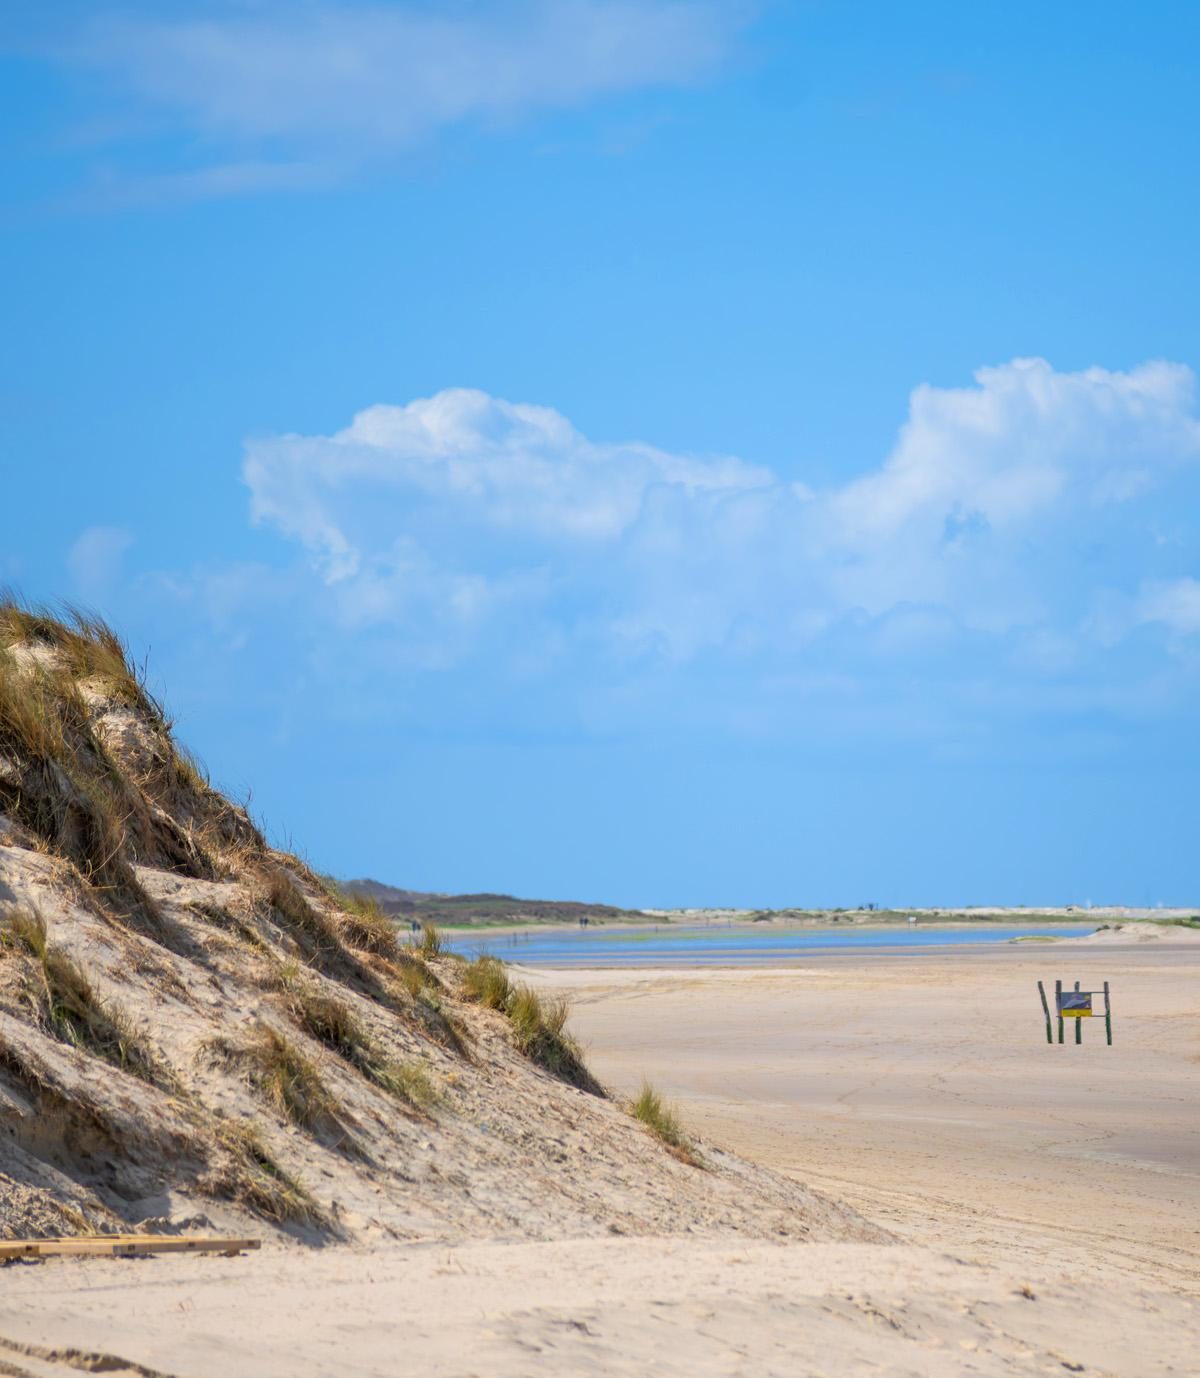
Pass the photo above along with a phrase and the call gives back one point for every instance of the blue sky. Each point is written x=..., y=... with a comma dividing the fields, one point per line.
x=656, y=452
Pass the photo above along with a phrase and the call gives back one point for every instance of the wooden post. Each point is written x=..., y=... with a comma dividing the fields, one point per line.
x=1058, y=1008
x=1107, y=1016
x=1046, y=1008
x=1078, y=1023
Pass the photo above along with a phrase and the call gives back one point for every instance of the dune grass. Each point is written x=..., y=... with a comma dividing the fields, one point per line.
x=66, y=1003
x=45, y=724
x=253, y=1178
x=347, y=947
x=282, y=894
x=538, y=1024
x=323, y=1017
x=368, y=927
x=412, y=974
x=441, y=1024
x=332, y=1023
x=485, y=980
x=539, y=1029
x=289, y=1081
x=409, y=1081
x=313, y=931
x=431, y=941
x=86, y=648
x=662, y=1121
x=64, y=787
x=362, y=922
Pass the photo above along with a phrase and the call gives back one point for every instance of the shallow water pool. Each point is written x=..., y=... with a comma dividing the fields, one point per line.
x=725, y=945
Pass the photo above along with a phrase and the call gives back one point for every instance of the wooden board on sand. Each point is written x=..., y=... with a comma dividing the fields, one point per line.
x=123, y=1246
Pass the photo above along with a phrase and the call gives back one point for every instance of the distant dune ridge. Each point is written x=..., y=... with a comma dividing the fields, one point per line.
x=429, y=907
x=194, y=1024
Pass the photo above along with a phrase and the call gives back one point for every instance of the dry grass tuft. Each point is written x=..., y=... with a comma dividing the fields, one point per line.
x=66, y=1003
x=431, y=941
x=332, y=1023
x=539, y=1029
x=408, y=1081
x=255, y=1180
x=189, y=774
x=290, y=1082
x=324, y=1018
x=432, y=1016
x=485, y=980
x=538, y=1024
x=318, y=934
x=363, y=923
x=309, y=926
x=413, y=975
x=286, y=898
x=102, y=789
x=371, y=931
x=24, y=930
x=60, y=783
x=86, y=647
x=663, y=1122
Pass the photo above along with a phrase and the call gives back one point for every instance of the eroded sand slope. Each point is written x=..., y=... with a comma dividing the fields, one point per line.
x=193, y=1023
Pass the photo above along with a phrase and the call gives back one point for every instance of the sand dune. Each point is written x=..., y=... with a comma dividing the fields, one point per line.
x=193, y=1023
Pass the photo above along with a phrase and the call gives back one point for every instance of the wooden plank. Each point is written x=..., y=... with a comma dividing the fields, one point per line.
x=123, y=1246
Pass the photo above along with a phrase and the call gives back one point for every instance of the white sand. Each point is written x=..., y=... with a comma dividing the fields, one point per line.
x=920, y=1088
x=613, y=1307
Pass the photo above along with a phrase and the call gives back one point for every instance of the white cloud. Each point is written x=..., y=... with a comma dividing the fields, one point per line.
x=462, y=511
x=94, y=560
x=515, y=469
x=1025, y=437
x=322, y=83
x=977, y=471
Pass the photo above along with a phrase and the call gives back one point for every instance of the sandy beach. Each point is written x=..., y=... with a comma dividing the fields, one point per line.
x=919, y=1088
x=1045, y=1201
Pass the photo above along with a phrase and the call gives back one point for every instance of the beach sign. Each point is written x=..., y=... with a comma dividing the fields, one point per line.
x=1077, y=1005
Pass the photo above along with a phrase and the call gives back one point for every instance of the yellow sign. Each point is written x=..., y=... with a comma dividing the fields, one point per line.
x=1076, y=1014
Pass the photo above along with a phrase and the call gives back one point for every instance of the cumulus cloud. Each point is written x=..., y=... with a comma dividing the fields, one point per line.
x=1026, y=458
x=466, y=457
x=321, y=85
x=475, y=509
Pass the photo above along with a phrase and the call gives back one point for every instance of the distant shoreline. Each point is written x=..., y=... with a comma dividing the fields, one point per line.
x=775, y=919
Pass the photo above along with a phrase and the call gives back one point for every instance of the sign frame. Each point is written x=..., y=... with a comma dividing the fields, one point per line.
x=1076, y=1005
